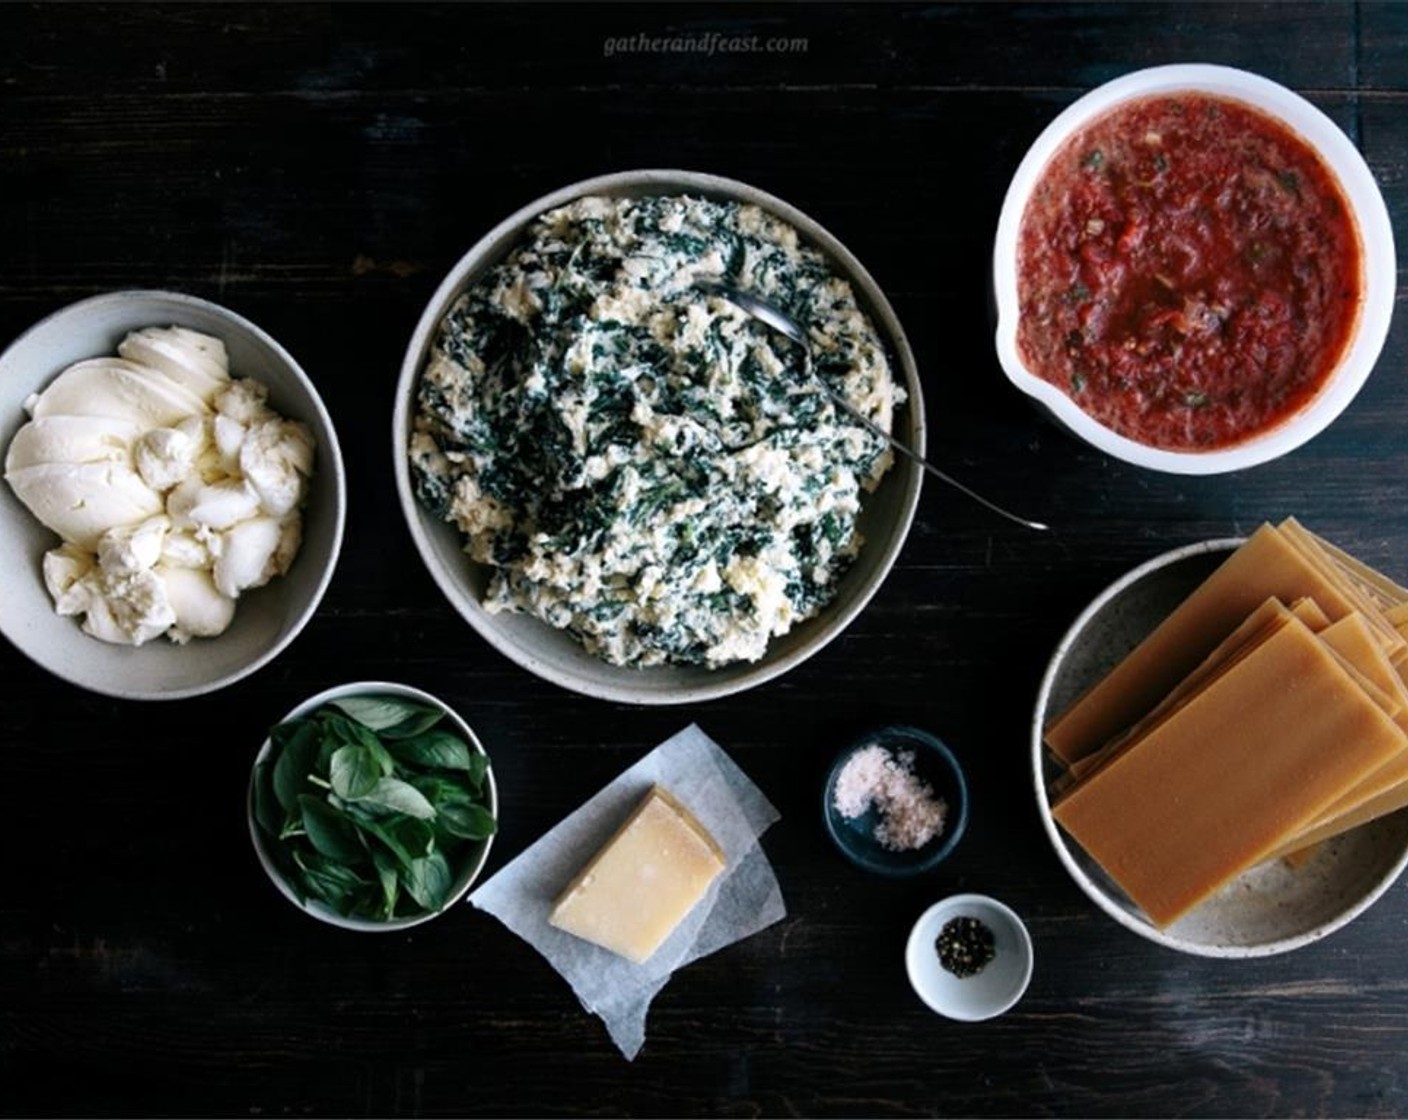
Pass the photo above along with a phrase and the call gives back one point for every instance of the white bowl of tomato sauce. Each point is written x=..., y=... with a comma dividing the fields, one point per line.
x=1194, y=270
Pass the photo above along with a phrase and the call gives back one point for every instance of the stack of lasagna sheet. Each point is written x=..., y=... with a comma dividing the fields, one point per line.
x=1268, y=713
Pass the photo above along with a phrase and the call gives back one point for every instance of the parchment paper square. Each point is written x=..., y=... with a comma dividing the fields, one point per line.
x=743, y=900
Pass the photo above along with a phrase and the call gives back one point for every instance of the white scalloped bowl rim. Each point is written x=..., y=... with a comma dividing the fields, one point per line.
x=1376, y=242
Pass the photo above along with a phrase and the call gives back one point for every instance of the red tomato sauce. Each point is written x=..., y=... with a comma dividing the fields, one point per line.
x=1189, y=272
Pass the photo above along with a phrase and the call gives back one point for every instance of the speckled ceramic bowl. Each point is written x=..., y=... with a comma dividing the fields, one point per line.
x=934, y=765
x=1268, y=909
x=553, y=654
x=268, y=618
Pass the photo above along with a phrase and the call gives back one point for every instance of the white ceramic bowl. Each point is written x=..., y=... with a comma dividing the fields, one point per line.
x=474, y=858
x=987, y=994
x=555, y=655
x=268, y=618
x=1375, y=233
x=1266, y=910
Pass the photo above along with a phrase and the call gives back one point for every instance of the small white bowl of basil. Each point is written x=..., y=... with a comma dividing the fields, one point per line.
x=372, y=806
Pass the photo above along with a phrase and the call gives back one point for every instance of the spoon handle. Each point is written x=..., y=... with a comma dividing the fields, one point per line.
x=871, y=426
x=764, y=311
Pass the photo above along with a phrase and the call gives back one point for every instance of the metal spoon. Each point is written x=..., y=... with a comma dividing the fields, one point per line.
x=779, y=321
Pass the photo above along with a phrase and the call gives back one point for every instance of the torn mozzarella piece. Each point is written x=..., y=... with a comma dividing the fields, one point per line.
x=201, y=610
x=166, y=457
x=244, y=401
x=218, y=505
x=290, y=540
x=63, y=568
x=128, y=549
x=181, y=548
x=229, y=436
x=127, y=610
x=247, y=555
x=72, y=439
x=276, y=458
x=194, y=361
x=82, y=501
x=115, y=388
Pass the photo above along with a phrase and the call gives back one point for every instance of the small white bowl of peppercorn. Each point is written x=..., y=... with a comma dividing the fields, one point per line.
x=969, y=957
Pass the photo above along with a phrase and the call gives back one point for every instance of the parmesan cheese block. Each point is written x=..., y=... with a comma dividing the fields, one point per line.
x=640, y=886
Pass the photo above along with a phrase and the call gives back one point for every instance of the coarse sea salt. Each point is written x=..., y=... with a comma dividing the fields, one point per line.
x=910, y=814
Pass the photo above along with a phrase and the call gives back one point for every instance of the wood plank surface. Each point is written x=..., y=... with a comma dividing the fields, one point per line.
x=318, y=168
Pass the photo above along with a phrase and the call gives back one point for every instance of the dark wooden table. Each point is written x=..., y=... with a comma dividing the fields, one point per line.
x=318, y=168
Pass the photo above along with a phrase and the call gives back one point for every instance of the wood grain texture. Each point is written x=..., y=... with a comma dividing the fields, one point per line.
x=318, y=168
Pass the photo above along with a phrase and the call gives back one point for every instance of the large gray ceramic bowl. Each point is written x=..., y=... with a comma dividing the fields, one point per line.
x=267, y=618
x=1268, y=909
x=553, y=654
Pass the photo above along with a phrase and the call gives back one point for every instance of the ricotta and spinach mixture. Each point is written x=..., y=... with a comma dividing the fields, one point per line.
x=643, y=464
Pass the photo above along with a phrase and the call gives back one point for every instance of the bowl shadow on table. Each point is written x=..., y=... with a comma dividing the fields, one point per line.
x=1268, y=909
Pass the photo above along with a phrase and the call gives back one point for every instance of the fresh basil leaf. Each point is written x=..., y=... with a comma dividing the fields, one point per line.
x=282, y=857
x=429, y=881
x=367, y=903
x=329, y=831
x=330, y=868
x=299, y=748
x=290, y=729
x=327, y=747
x=354, y=734
x=355, y=772
x=407, y=838
x=441, y=789
x=431, y=750
x=398, y=796
x=268, y=813
x=377, y=712
x=341, y=729
x=346, y=731
x=389, y=876
x=379, y=831
x=477, y=769
x=414, y=724
x=382, y=756
x=293, y=823
x=329, y=880
x=334, y=894
x=466, y=820
x=416, y=835
x=458, y=814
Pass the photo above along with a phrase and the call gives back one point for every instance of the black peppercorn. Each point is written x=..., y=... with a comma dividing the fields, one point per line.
x=965, y=946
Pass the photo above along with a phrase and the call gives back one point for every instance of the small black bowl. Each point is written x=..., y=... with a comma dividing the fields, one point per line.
x=935, y=765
